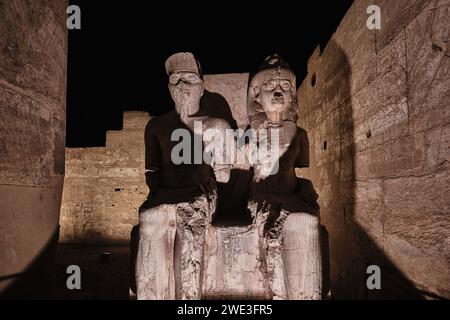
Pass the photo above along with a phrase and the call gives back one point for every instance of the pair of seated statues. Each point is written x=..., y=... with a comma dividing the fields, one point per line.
x=189, y=248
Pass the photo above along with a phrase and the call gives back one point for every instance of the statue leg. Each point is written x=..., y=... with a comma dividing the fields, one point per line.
x=190, y=238
x=302, y=256
x=270, y=221
x=155, y=277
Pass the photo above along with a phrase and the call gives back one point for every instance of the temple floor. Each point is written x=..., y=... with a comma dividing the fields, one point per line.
x=104, y=272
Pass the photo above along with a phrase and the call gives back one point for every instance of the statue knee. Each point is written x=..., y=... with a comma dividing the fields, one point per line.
x=301, y=222
x=147, y=219
x=157, y=219
x=144, y=215
x=313, y=220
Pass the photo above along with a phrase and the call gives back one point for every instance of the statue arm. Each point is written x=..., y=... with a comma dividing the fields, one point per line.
x=258, y=120
x=222, y=148
x=152, y=160
x=302, y=160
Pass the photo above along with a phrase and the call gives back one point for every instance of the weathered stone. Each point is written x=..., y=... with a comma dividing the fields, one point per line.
x=264, y=259
x=357, y=43
x=297, y=272
x=369, y=211
x=438, y=147
x=188, y=192
x=401, y=156
x=393, y=55
x=383, y=179
x=427, y=272
x=22, y=114
x=428, y=67
x=422, y=204
x=34, y=49
x=233, y=266
x=395, y=16
x=380, y=110
x=232, y=87
x=33, y=55
x=155, y=269
x=302, y=256
x=105, y=186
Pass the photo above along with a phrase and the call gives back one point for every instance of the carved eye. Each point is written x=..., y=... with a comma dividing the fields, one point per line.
x=270, y=84
x=285, y=85
x=192, y=78
x=174, y=79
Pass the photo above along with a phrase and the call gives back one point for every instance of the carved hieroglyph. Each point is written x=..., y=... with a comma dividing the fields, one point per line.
x=244, y=262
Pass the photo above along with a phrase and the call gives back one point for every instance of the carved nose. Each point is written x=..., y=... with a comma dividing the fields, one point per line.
x=277, y=93
x=278, y=88
x=182, y=84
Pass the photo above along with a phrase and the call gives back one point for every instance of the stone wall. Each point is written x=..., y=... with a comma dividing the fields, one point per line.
x=33, y=58
x=231, y=89
x=376, y=105
x=105, y=186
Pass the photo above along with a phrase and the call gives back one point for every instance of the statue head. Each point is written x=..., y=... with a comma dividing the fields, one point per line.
x=185, y=83
x=272, y=92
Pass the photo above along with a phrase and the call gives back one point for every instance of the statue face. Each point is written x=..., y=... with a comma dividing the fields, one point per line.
x=186, y=89
x=275, y=94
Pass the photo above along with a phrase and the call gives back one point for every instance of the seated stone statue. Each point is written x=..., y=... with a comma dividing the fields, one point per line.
x=286, y=204
x=182, y=194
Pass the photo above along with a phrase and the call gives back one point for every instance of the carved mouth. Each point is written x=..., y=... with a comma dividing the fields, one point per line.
x=277, y=99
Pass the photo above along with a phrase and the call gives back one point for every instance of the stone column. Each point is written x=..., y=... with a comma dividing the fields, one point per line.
x=33, y=59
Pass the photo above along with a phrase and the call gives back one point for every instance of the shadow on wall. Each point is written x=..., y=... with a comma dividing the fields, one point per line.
x=351, y=249
x=215, y=105
x=37, y=281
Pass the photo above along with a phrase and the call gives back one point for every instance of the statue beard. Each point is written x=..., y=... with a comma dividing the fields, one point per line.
x=185, y=104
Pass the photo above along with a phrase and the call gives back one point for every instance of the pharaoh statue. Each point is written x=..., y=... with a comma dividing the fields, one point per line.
x=286, y=203
x=183, y=193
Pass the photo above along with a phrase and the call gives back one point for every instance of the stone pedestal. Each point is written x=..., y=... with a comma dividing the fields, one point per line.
x=234, y=264
x=183, y=257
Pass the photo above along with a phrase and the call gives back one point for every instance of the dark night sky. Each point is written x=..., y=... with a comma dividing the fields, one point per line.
x=116, y=60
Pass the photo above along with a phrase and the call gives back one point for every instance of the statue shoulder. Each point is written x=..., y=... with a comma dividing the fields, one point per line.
x=216, y=123
x=161, y=123
x=302, y=134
